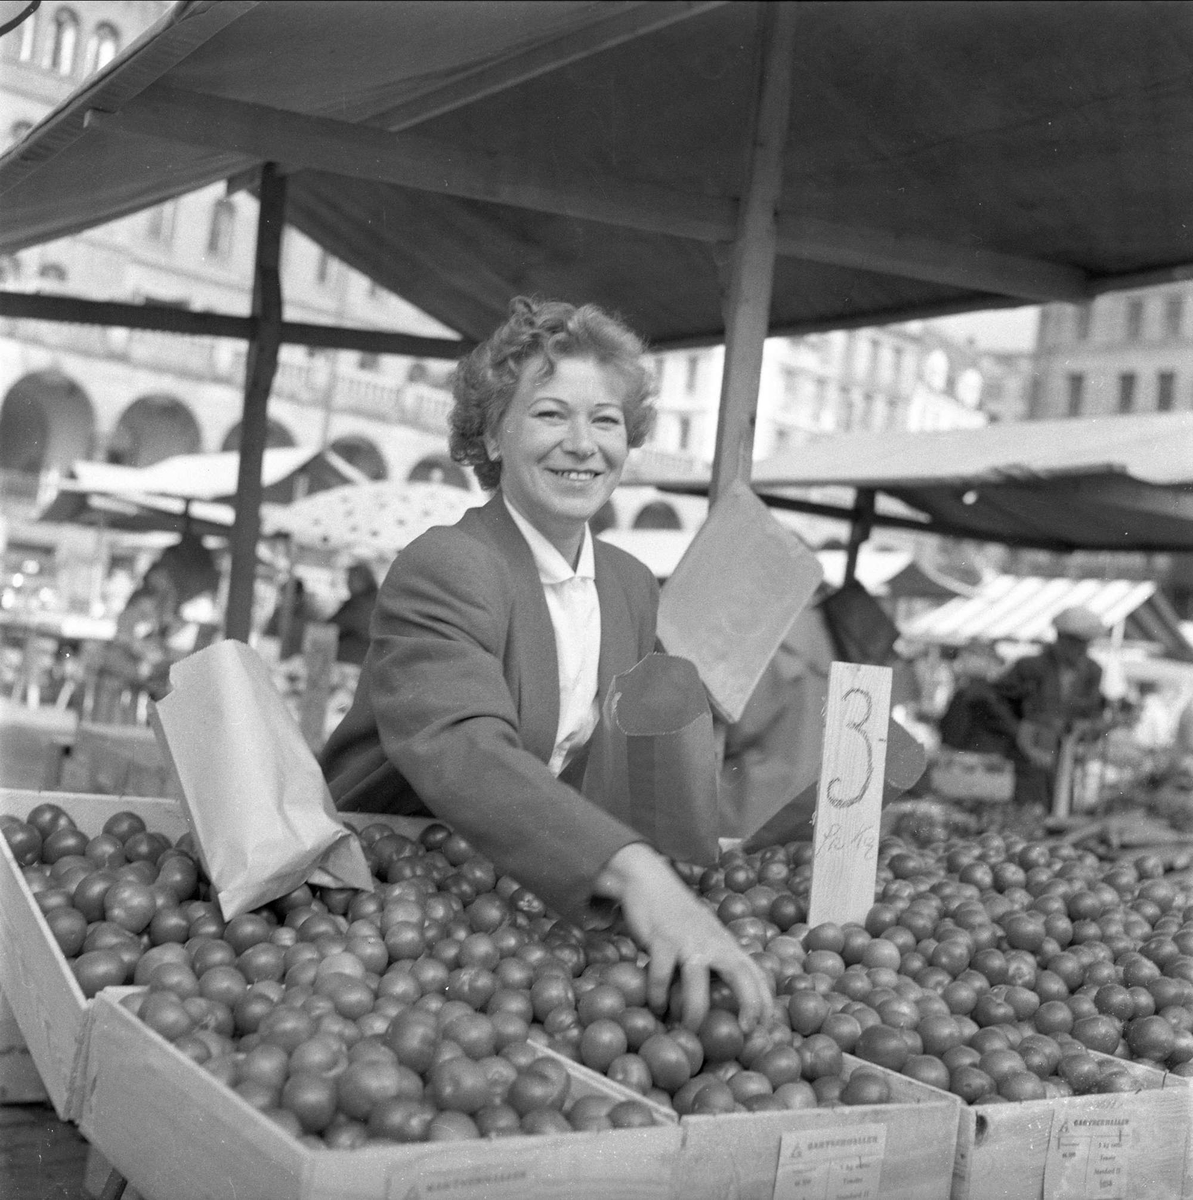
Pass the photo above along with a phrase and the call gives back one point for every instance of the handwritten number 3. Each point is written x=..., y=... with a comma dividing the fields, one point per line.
x=837, y=800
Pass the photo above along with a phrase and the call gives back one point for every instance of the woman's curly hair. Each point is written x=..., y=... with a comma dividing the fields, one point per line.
x=484, y=382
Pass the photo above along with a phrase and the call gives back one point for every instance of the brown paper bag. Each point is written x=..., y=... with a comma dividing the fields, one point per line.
x=734, y=596
x=252, y=790
x=652, y=760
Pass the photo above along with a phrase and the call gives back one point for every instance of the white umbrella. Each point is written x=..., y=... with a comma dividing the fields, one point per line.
x=371, y=520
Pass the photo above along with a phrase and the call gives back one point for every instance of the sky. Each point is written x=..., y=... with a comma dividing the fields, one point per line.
x=1001, y=329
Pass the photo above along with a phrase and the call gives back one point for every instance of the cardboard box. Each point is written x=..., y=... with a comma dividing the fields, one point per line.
x=176, y=1133
x=1122, y=1146
x=48, y=1008
x=47, y=1002
x=899, y=1151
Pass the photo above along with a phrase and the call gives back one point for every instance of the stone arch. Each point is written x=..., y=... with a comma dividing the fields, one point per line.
x=152, y=428
x=277, y=437
x=658, y=514
x=47, y=422
x=439, y=468
x=361, y=453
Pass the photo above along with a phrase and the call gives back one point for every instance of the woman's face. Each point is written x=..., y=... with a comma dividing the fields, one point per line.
x=562, y=446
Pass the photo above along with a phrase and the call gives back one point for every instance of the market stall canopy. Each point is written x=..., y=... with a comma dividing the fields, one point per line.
x=1010, y=608
x=370, y=520
x=1096, y=483
x=892, y=573
x=213, y=476
x=132, y=512
x=940, y=157
x=192, y=491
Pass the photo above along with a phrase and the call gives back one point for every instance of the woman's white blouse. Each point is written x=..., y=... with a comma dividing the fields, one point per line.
x=576, y=618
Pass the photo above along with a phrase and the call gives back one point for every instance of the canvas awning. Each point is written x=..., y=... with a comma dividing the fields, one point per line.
x=1097, y=483
x=194, y=491
x=712, y=171
x=1010, y=608
x=938, y=157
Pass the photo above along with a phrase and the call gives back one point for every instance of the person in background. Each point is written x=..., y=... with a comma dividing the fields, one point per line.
x=137, y=659
x=1027, y=712
x=291, y=628
x=493, y=639
x=353, y=616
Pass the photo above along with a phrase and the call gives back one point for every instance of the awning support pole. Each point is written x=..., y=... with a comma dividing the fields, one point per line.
x=859, y=530
x=258, y=380
x=751, y=279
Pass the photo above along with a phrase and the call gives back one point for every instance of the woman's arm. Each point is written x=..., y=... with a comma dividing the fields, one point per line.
x=679, y=932
x=446, y=717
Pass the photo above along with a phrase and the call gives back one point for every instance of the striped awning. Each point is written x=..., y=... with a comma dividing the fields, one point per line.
x=1010, y=608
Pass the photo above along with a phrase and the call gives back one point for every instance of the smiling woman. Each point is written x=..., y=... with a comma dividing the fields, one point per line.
x=493, y=640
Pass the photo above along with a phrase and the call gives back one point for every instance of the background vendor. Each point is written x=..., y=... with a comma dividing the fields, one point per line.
x=1028, y=711
x=493, y=639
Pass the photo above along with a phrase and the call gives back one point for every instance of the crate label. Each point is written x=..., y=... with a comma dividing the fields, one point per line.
x=1089, y=1158
x=506, y=1177
x=843, y=1163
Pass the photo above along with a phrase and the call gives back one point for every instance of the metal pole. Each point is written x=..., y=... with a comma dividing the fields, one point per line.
x=259, y=371
x=751, y=279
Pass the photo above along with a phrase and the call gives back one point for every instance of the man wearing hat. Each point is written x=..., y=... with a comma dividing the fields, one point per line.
x=1049, y=696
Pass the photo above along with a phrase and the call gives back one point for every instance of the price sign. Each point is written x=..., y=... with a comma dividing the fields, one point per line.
x=849, y=797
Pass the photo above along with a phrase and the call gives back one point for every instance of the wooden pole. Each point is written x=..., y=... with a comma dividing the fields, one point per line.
x=258, y=380
x=859, y=530
x=747, y=316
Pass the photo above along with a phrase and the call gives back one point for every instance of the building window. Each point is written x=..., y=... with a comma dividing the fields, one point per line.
x=160, y=225
x=1083, y=321
x=10, y=269
x=223, y=226
x=28, y=38
x=18, y=131
x=1035, y=397
x=685, y=433
x=101, y=48
x=693, y=371
x=368, y=361
x=1076, y=382
x=1165, y=390
x=1174, y=315
x=52, y=273
x=323, y=268
x=1134, y=320
x=65, y=43
x=1126, y=391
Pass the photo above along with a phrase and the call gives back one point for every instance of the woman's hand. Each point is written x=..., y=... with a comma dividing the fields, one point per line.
x=677, y=930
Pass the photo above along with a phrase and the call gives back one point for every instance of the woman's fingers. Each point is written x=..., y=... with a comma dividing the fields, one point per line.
x=659, y=971
x=695, y=979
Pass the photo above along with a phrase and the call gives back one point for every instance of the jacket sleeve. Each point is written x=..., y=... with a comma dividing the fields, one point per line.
x=448, y=721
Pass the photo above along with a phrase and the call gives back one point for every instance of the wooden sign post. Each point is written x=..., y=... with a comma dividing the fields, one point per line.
x=849, y=798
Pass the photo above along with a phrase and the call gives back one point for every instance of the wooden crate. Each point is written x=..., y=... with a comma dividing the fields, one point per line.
x=899, y=1151
x=1123, y=1146
x=962, y=775
x=47, y=1002
x=176, y=1133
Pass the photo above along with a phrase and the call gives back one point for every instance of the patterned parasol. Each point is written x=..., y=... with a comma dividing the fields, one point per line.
x=370, y=520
